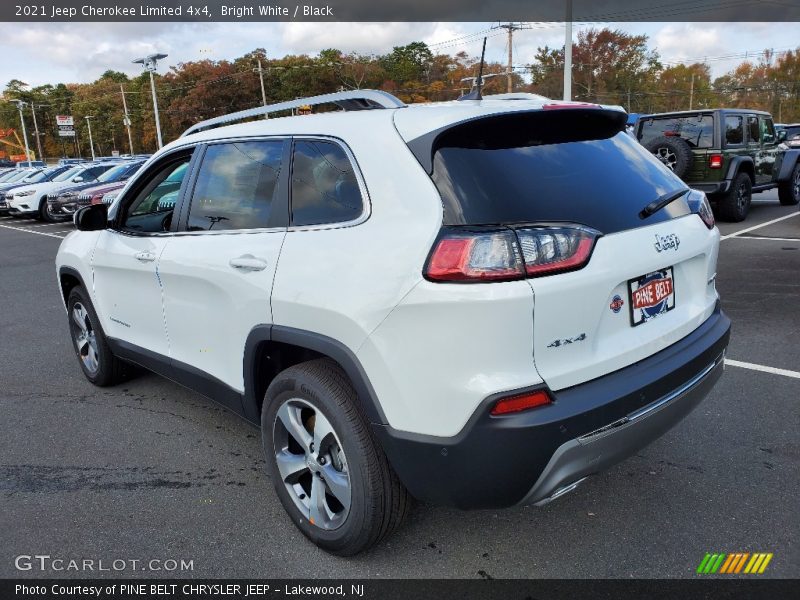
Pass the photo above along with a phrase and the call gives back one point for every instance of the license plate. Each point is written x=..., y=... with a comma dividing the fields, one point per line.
x=651, y=295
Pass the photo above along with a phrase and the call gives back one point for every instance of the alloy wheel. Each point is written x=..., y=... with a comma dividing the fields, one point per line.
x=666, y=156
x=312, y=464
x=83, y=334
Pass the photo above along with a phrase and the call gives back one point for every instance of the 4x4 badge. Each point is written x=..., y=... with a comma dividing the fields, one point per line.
x=565, y=341
x=667, y=242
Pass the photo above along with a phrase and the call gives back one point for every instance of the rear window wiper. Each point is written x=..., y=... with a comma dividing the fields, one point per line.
x=660, y=202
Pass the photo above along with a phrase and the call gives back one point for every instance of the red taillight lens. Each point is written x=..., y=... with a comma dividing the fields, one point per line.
x=475, y=256
x=698, y=203
x=507, y=255
x=548, y=250
x=514, y=404
x=715, y=161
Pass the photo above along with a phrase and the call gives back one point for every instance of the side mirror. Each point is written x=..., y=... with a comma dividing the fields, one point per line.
x=91, y=218
x=77, y=179
x=782, y=135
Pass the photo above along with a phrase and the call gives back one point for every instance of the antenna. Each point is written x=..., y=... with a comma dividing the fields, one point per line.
x=475, y=93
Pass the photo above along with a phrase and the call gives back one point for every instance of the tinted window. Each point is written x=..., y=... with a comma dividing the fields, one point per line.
x=236, y=186
x=734, y=130
x=549, y=167
x=151, y=210
x=752, y=129
x=324, y=185
x=696, y=130
x=768, y=130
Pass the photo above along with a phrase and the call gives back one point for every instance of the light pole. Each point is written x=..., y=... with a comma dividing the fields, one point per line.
x=126, y=120
x=149, y=63
x=20, y=104
x=36, y=130
x=91, y=142
x=568, y=53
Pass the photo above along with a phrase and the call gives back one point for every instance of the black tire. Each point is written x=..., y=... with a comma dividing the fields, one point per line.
x=318, y=394
x=734, y=205
x=110, y=369
x=674, y=152
x=43, y=214
x=789, y=191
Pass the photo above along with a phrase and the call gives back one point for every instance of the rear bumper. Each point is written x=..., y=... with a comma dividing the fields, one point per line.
x=533, y=456
x=718, y=187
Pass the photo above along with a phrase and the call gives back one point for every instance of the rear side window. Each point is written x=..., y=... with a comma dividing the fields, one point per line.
x=734, y=130
x=324, y=185
x=550, y=166
x=236, y=186
x=696, y=130
x=752, y=129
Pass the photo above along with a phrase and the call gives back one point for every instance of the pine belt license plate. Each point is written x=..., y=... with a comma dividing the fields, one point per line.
x=651, y=295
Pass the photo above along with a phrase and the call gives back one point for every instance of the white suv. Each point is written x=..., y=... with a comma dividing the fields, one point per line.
x=476, y=303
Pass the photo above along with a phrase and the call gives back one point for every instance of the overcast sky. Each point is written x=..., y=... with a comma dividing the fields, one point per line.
x=80, y=52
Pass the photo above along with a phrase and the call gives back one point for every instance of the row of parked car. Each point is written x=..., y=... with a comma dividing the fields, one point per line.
x=55, y=193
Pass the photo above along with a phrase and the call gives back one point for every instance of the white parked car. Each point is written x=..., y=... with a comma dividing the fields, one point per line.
x=476, y=303
x=32, y=199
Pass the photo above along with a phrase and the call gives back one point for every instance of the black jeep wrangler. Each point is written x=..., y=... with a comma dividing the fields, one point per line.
x=727, y=153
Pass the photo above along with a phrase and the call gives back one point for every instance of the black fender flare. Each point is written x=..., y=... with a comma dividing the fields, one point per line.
x=311, y=341
x=736, y=164
x=784, y=165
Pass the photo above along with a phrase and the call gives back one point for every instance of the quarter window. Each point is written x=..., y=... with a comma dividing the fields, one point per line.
x=324, y=185
x=734, y=130
x=236, y=186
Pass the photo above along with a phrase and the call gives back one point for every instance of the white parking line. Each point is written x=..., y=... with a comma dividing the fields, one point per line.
x=759, y=226
x=33, y=232
x=773, y=239
x=763, y=368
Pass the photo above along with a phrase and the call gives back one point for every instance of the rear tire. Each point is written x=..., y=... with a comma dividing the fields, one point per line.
x=96, y=359
x=328, y=470
x=789, y=191
x=734, y=205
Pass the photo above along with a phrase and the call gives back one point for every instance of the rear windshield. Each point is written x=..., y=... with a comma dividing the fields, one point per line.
x=696, y=130
x=550, y=166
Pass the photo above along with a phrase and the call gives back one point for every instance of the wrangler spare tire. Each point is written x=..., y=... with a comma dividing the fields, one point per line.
x=674, y=152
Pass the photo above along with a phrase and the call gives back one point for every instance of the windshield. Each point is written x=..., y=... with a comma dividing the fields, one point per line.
x=550, y=166
x=19, y=176
x=69, y=174
x=36, y=177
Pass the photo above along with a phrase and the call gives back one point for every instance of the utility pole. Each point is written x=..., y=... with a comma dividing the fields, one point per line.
x=36, y=130
x=91, y=142
x=511, y=28
x=20, y=105
x=691, y=93
x=127, y=119
x=568, y=53
x=260, y=72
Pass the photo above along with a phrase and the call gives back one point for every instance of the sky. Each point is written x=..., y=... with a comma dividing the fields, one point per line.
x=39, y=53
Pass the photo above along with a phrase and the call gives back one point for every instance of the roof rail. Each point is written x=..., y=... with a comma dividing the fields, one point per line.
x=349, y=100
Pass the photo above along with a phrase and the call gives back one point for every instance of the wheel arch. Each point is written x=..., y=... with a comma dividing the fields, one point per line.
x=742, y=164
x=68, y=279
x=787, y=163
x=270, y=349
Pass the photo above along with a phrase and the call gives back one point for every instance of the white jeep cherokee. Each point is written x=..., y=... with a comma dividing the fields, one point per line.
x=477, y=303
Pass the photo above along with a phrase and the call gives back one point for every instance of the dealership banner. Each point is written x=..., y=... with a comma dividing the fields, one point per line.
x=407, y=589
x=399, y=10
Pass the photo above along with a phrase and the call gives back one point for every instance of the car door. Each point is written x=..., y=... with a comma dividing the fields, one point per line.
x=769, y=145
x=217, y=272
x=125, y=260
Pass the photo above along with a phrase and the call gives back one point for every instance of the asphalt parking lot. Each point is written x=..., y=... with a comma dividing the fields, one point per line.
x=149, y=470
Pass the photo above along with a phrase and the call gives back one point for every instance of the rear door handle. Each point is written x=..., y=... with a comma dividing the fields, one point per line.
x=145, y=256
x=248, y=262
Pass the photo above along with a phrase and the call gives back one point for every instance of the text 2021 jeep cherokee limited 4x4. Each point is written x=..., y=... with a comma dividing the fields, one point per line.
x=476, y=303
x=727, y=153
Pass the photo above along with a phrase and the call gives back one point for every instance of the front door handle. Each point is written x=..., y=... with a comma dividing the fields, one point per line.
x=145, y=256
x=248, y=262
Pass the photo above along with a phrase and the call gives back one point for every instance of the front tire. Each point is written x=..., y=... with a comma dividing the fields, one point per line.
x=97, y=362
x=734, y=205
x=789, y=191
x=328, y=471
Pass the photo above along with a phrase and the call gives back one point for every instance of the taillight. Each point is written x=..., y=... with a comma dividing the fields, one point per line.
x=715, y=161
x=699, y=205
x=475, y=255
x=548, y=250
x=520, y=402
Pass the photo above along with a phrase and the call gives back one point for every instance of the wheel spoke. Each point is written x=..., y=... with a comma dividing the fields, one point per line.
x=322, y=429
x=338, y=484
x=79, y=316
x=291, y=466
x=290, y=417
x=316, y=508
